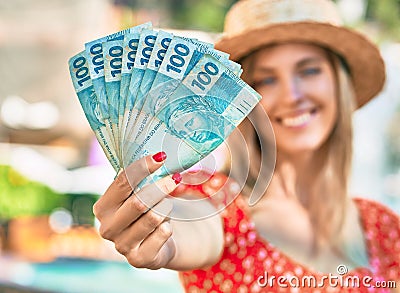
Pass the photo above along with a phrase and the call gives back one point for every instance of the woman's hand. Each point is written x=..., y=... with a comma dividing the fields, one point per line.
x=141, y=234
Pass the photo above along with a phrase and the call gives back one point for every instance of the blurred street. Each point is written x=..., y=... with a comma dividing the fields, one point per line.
x=52, y=169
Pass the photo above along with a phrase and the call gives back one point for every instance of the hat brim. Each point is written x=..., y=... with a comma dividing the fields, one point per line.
x=363, y=58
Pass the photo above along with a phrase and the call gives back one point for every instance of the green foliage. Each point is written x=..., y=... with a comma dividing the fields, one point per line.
x=206, y=15
x=21, y=197
x=201, y=14
x=81, y=208
x=393, y=143
x=386, y=13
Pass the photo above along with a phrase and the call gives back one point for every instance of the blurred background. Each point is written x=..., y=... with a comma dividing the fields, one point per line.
x=52, y=169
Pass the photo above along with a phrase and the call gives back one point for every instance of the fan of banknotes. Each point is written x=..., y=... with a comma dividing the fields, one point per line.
x=145, y=90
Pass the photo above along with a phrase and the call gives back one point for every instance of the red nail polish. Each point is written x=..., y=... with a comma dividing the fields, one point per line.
x=159, y=157
x=177, y=178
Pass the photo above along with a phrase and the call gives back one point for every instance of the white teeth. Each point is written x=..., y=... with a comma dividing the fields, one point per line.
x=296, y=121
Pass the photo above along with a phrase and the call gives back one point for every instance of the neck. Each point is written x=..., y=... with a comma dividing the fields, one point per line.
x=295, y=175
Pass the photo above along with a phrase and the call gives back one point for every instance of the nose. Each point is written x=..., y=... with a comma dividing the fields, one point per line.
x=291, y=90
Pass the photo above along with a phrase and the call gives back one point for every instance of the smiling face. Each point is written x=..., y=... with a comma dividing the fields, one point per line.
x=298, y=88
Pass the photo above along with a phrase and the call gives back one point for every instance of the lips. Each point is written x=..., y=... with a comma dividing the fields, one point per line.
x=297, y=119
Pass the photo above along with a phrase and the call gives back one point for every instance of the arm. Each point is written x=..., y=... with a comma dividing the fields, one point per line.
x=148, y=239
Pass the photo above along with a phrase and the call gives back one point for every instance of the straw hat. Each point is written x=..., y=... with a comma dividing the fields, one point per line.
x=252, y=24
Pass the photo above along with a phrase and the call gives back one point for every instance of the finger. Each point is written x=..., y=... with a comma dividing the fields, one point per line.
x=144, y=167
x=152, y=249
x=137, y=205
x=121, y=188
x=132, y=236
x=165, y=254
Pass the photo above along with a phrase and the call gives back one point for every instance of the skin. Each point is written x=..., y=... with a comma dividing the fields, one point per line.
x=144, y=236
x=297, y=83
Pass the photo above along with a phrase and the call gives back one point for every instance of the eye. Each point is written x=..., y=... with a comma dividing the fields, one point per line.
x=189, y=123
x=182, y=133
x=265, y=81
x=310, y=71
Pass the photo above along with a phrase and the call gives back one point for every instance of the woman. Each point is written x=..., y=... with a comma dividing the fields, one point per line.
x=311, y=73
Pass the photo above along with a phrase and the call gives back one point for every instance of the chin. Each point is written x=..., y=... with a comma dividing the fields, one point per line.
x=300, y=147
x=305, y=142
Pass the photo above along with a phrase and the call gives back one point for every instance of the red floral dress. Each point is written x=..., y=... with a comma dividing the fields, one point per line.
x=249, y=261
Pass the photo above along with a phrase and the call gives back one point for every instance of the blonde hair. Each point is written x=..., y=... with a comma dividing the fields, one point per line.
x=327, y=203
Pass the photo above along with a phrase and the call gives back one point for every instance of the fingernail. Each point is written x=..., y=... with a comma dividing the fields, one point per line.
x=159, y=157
x=177, y=178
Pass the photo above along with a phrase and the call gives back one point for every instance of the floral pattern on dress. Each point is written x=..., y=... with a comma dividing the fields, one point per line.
x=248, y=259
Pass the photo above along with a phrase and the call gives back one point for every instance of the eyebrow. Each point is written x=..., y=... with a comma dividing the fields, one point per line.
x=308, y=60
x=299, y=64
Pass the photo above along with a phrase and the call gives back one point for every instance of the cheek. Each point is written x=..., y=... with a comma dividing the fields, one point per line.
x=330, y=120
x=267, y=104
x=332, y=110
x=331, y=106
x=326, y=122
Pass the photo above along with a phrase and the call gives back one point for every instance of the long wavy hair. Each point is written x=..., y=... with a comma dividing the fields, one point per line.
x=327, y=203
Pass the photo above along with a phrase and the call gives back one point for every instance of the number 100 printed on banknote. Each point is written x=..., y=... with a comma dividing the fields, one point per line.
x=145, y=90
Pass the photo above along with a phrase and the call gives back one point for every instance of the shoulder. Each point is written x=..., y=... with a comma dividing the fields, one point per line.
x=379, y=221
x=375, y=212
x=382, y=233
